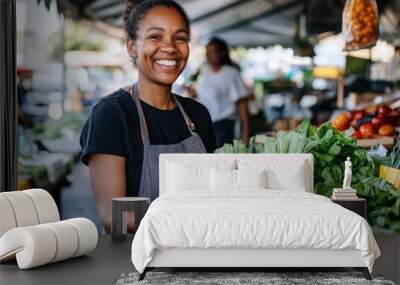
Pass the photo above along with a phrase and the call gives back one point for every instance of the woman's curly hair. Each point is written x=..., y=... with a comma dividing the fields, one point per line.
x=136, y=10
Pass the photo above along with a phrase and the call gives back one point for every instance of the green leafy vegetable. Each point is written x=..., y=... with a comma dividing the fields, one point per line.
x=395, y=155
x=330, y=149
x=236, y=147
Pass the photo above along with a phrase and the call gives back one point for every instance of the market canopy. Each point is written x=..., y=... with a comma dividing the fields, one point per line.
x=245, y=22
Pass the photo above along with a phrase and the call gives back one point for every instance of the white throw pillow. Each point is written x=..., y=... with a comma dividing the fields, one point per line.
x=251, y=178
x=293, y=179
x=226, y=179
x=223, y=179
x=184, y=175
x=282, y=174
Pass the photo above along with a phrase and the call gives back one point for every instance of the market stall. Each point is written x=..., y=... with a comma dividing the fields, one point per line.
x=320, y=77
x=332, y=64
x=48, y=152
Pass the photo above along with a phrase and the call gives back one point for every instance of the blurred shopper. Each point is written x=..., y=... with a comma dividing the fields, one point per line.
x=395, y=65
x=222, y=90
x=128, y=130
x=23, y=75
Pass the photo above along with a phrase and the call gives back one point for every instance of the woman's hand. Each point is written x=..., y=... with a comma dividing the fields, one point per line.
x=107, y=176
x=244, y=119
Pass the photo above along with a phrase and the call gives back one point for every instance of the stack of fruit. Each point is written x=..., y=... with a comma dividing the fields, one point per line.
x=369, y=123
x=360, y=24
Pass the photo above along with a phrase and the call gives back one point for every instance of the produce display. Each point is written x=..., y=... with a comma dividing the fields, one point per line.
x=38, y=175
x=360, y=24
x=369, y=123
x=35, y=167
x=51, y=129
x=330, y=149
x=389, y=165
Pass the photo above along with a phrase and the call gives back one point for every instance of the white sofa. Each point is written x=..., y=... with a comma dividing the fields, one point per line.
x=31, y=231
x=165, y=238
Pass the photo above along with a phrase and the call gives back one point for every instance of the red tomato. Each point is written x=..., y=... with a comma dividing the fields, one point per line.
x=394, y=118
x=358, y=115
x=367, y=130
x=357, y=135
x=377, y=121
x=355, y=124
x=384, y=110
x=386, y=130
x=351, y=115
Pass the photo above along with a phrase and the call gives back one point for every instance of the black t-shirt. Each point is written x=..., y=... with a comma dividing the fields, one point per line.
x=113, y=127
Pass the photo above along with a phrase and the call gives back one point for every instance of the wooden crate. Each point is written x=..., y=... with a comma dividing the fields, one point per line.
x=388, y=142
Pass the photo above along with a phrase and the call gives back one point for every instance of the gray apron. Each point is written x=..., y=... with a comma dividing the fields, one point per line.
x=149, y=181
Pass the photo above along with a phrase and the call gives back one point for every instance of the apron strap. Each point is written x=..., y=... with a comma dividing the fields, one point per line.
x=143, y=126
x=191, y=126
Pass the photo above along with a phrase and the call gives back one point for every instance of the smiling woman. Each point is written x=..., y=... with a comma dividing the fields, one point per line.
x=159, y=45
x=128, y=129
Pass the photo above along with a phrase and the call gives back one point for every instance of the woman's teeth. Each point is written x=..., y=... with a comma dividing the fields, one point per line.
x=167, y=63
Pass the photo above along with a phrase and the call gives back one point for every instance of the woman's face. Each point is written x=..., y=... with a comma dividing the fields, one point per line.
x=213, y=55
x=162, y=45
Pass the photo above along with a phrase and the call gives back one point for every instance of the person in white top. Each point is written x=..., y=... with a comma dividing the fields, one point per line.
x=221, y=89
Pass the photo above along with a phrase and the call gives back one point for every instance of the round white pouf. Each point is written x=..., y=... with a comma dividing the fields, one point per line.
x=7, y=218
x=23, y=208
x=45, y=205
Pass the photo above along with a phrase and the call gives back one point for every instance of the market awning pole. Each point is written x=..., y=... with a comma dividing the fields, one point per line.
x=340, y=93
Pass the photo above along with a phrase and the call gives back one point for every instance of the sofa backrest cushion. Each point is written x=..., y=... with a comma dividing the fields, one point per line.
x=26, y=208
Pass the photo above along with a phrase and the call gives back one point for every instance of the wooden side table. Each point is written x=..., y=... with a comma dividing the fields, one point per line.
x=357, y=205
x=120, y=207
